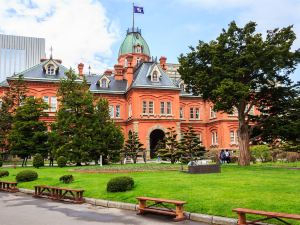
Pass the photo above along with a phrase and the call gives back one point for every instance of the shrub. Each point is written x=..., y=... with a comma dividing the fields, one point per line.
x=261, y=152
x=38, y=161
x=67, y=179
x=4, y=173
x=61, y=161
x=213, y=155
x=120, y=184
x=1, y=163
x=26, y=175
x=292, y=157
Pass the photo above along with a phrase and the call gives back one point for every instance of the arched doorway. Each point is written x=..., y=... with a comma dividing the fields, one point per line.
x=155, y=136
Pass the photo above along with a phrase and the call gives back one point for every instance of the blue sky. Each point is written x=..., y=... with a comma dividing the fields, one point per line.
x=91, y=31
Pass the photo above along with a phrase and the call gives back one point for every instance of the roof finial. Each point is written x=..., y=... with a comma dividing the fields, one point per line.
x=51, y=50
x=89, y=69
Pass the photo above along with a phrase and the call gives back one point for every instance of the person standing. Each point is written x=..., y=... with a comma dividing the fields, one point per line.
x=222, y=156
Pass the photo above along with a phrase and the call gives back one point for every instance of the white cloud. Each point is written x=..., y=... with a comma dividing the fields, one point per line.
x=78, y=30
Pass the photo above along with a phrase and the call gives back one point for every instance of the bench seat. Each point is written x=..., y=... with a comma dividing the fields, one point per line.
x=268, y=215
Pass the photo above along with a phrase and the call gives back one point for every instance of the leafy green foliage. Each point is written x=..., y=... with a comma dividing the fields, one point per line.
x=4, y=173
x=241, y=69
x=1, y=162
x=120, y=184
x=107, y=137
x=83, y=131
x=61, y=161
x=28, y=135
x=66, y=179
x=13, y=96
x=26, y=175
x=38, y=160
x=261, y=152
x=190, y=145
x=132, y=146
x=169, y=148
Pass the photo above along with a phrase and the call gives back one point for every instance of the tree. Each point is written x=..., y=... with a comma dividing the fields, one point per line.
x=241, y=69
x=169, y=147
x=132, y=146
x=281, y=130
x=74, y=118
x=12, y=98
x=107, y=137
x=28, y=135
x=190, y=145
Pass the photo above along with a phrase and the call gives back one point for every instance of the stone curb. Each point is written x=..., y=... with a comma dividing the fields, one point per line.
x=133, y=207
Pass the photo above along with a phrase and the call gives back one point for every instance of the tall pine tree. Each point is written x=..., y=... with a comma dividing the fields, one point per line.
x=74, y=118
x=11, y=100
x=132, y=146
x=169, y=147
x=28, y=135
x=190, y=146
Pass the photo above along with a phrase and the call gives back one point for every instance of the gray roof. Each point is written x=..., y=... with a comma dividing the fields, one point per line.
x=4, y=84
x=142, y=77
x=114, y=87
x=37, y=73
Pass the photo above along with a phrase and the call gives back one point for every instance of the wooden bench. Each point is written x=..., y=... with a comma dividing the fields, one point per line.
x=267, y=216
x=57, y=193
x=9, y=186
x=178, y=212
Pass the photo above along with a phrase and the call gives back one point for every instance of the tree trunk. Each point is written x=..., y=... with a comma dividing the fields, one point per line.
x=244, y=154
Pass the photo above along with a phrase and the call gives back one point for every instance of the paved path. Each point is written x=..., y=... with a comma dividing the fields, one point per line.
x=21, y=209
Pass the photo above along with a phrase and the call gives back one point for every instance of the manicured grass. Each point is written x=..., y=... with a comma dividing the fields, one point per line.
x=255, y=187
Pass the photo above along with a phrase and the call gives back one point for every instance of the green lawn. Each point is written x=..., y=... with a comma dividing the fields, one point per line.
x=255, y=187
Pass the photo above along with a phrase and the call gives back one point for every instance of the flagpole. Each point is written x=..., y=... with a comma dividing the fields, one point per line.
x=133, y=17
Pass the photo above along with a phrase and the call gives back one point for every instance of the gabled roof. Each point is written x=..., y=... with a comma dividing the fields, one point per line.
x=37, y=73
x=114, y=87
x=142, y=77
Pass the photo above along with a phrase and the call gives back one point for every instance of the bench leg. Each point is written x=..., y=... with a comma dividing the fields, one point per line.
x=242, y=219
x=179, y=213
x=142, y=205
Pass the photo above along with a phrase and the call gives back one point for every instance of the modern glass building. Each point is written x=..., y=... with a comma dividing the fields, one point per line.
x=18, y=53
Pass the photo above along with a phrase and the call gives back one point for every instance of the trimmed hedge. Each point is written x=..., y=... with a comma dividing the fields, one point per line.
x=4, y=173
x=38, y=161
x=67, y=179
x=120, y=184
x=61, y=161
x=26, y=175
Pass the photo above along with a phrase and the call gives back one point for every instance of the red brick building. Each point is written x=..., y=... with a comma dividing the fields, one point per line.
x=143, y=96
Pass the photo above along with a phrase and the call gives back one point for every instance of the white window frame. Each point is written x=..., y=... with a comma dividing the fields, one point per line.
x=144, y=107
x=213, y=114
x=111, y=111
x=162, y=108
x=118, y=111
x=181, y=112
x=151, y=107
x=191, y=113
x=169, y=108
x=214, y=138
x=129, y=111
x=50, y=69
x=197, y=113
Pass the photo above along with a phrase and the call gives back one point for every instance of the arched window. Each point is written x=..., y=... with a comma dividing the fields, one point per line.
x=50, y=69
x=125, y=63
x=138, y=49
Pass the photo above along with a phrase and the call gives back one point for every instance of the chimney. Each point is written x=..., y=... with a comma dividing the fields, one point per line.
x=129, y=71
x=162, y=62
x=118, y=72
x=80, y=69
x=108, y=72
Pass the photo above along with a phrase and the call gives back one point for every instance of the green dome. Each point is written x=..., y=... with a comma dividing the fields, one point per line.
x=132, y=40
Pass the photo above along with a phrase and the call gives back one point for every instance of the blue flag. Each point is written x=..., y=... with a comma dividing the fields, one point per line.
x=137, y=9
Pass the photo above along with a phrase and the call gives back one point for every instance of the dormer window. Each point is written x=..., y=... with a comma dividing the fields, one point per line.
x=104, y=81
x=50, y=69
x=138, y=61
x=155, y=76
